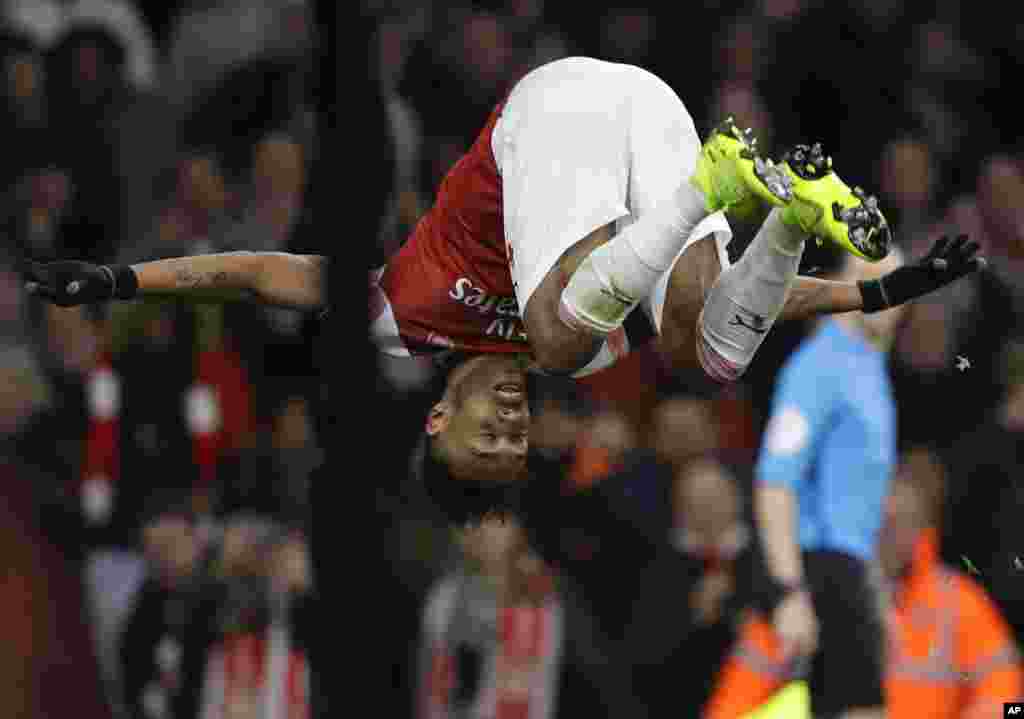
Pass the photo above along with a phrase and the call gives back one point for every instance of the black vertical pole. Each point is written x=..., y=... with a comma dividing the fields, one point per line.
x=352, y=653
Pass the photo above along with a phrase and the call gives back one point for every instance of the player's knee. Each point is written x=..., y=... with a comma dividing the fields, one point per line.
x=717, y=367
x=554, y=359
x=559, y=351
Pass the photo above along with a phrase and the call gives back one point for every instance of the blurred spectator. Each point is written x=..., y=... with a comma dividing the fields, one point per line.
x=811, y=102
x=973, y=320
x=159, y=16
x=492, y=631
x=740, y=48
x=462, y=68
x=962, y=660
x=707, y=526
x=46, y=20
x=25, y=392
x=743, y=103
x=628, y=36
x=947, y=84
x=22, y=110
x=262, y=97
x=272, y=476
x=984, y=501
x=682, y=429
x=556, y=425
x=112, y=438
x=949, y=652
x=151, y=642
x=252, y=656
x=77, y=466
x=209, y=38
x=407, y=202
x=603, y=446
x=708, y=521
x=397, y=37
x=48, y=662
x=277, y=183
x=737, y=93
x=907, y=185
x=536, y=39
x=485, y=48
x=86, y=96
x=1000, y=192
x=14, y=329
x=194, y=219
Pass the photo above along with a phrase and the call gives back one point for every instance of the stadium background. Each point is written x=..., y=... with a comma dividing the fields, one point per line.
x=151, y=129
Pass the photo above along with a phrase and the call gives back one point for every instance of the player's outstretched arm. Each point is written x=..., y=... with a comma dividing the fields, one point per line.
x=810, y=296
x=274, y=278
x=947, y=261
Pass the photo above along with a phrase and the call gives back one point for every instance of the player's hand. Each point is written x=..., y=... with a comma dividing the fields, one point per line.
x=947, y=261
x=68, y=283
x=796, y=625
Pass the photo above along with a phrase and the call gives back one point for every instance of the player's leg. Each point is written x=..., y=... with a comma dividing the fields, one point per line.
x=724, y=173
x=710, y=315
x=560, y=147
x=565, y=148
x=722, y=324
x=676, y=303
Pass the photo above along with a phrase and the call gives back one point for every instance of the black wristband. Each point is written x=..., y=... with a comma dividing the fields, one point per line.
x=126, y=283
x=872, y=296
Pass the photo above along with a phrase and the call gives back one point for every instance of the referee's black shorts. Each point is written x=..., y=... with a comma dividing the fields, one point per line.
x=847, y=671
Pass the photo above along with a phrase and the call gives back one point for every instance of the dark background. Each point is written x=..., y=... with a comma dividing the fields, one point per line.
x=209, y=126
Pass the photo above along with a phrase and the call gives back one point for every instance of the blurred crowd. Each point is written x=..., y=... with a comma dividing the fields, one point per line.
x=158, y=455
x=163, y=450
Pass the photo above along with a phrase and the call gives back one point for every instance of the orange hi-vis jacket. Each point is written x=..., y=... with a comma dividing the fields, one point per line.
x=951, y=652
x=950, y=656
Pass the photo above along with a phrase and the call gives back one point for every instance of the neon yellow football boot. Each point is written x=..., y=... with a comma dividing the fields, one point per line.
x=824, y=206
x=732, y=177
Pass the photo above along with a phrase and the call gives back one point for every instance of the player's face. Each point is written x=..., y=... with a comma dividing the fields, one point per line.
x=486, y=436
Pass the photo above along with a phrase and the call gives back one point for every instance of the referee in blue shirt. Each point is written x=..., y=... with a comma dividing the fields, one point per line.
x=822, y=474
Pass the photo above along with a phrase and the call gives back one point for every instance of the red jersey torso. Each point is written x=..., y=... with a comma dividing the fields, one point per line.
x=449, y=286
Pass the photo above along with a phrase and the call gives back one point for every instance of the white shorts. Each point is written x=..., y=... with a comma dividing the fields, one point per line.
x=582, y=143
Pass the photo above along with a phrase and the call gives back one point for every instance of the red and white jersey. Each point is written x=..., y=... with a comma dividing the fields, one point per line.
x=256, y=675
x=449, y=286
x=520, y=672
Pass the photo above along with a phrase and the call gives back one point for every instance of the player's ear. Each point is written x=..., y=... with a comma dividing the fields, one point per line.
x=439, y=417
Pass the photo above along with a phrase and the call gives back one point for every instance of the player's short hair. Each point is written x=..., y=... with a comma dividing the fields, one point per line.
x=462, y=501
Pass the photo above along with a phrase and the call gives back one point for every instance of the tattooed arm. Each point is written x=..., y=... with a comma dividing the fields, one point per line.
x=810, y=297
x=274, y=278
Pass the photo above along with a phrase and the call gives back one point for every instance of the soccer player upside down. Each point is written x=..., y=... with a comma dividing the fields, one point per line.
x=587, y=194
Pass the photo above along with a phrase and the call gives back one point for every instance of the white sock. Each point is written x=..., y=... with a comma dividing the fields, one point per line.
x=612, y=279
x=747, y=298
